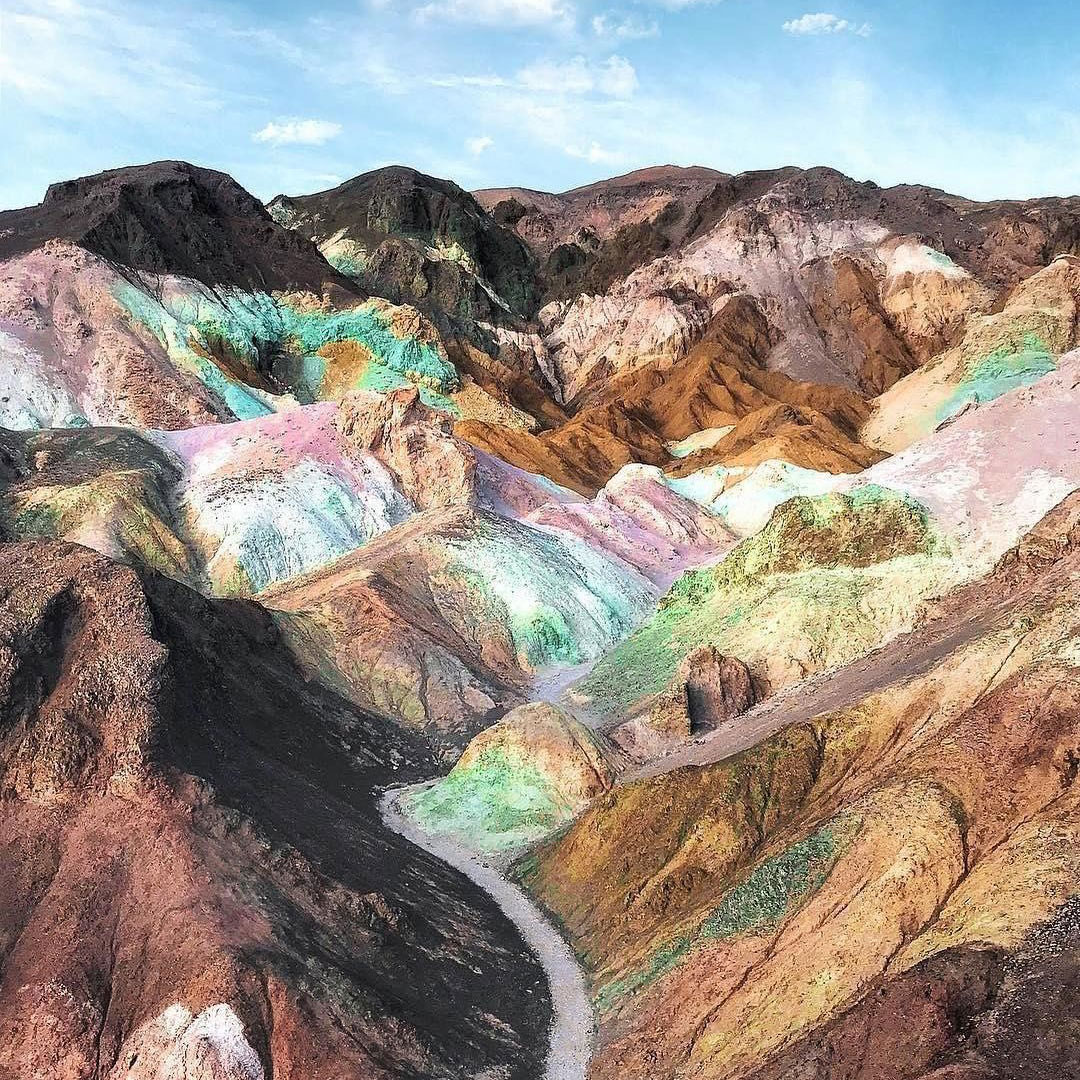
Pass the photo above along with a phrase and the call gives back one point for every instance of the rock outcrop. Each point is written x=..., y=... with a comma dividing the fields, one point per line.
x=708, y=690
x=170, y=217
x=419, y=240
x=592, y=494
x=882, y=886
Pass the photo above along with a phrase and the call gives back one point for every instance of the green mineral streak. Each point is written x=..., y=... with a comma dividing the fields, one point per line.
x=39, y=519
x=939, y=258
x=265, y=333
x=499, y=801
x=768, y=894
x=434, y=400
x=546, y=638
x=559, y=601
x=999, y=372
x=820, y=571
x=381, y=377
x=420, y=362
x=174, y=334
x=350, y=265
x=540, y=634
x=119, y=498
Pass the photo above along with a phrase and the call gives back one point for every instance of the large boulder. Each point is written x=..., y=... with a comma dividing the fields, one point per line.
x=708, y=689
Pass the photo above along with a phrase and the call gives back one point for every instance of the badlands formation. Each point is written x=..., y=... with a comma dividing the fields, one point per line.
x=631, y=632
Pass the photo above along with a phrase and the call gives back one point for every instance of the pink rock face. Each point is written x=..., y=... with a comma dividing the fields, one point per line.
x=639, y=519
x=434, y=467
x=57, y=301
x=992, y=473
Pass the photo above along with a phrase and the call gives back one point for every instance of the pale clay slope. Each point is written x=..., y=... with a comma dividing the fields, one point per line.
x=641, y=319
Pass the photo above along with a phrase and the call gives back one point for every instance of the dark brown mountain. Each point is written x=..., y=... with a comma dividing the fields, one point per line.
x=393, y=214
x=590, y=237
x=170, y=217
x=194, y=864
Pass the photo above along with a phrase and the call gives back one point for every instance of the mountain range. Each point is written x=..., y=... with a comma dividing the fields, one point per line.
x=631, y=632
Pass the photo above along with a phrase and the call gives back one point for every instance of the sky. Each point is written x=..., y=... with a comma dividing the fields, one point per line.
x=980, y=97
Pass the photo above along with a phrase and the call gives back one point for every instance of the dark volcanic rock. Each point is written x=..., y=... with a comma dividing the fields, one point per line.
x=170, y=217
x=709, y=689
x=380, y=209
x=591, y=237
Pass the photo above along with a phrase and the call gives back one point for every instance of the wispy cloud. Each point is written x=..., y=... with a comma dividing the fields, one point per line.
x=676, y=5
x=66, y=57
x=479, y=143
x=475, y=81
x=595, y=153
x=614, y=77
x=558, y=13
x=825, y=22
x=612, y=26
x=295, y=131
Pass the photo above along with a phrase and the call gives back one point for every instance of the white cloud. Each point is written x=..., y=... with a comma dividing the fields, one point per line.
x=294, y=131
x=615, y=77
x=481, y=81
x=677, y=5
x=612, y=26
x=824, y=22
x=479, y=143
x=559, y=13
x=68, y=57
x=594, y=152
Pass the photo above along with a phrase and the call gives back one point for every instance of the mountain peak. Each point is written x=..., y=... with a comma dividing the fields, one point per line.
x=170, y=217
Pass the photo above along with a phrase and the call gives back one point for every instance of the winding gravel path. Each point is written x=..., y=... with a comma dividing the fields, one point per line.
x=571, y=1036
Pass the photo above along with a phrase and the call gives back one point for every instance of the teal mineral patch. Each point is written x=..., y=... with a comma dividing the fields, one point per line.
x=1002, y=370
x=267, y=334
x=500, y=801
x=175, y=335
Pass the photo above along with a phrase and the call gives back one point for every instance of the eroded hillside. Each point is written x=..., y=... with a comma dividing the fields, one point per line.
x=697, y=550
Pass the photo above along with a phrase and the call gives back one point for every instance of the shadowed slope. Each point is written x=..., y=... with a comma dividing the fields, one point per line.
x=196, y=882
x=859, y=892
x=170, y=217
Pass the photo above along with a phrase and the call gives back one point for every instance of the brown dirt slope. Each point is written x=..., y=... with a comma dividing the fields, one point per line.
x=188, y=827
x=170, y=217
x=721, y=382
x=879, y=889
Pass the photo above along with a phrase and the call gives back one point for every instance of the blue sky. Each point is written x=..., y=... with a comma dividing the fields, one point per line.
x=981, y=98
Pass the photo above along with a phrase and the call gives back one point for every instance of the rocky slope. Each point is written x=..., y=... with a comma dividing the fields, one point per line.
x=418, y=240
x=862, y=283
x=446, y=619
x=166, y=909
x=170, y=218
x=519, y=780
x=842, y=565
x=881, y=888
x=591, y=236
x=781, y=725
